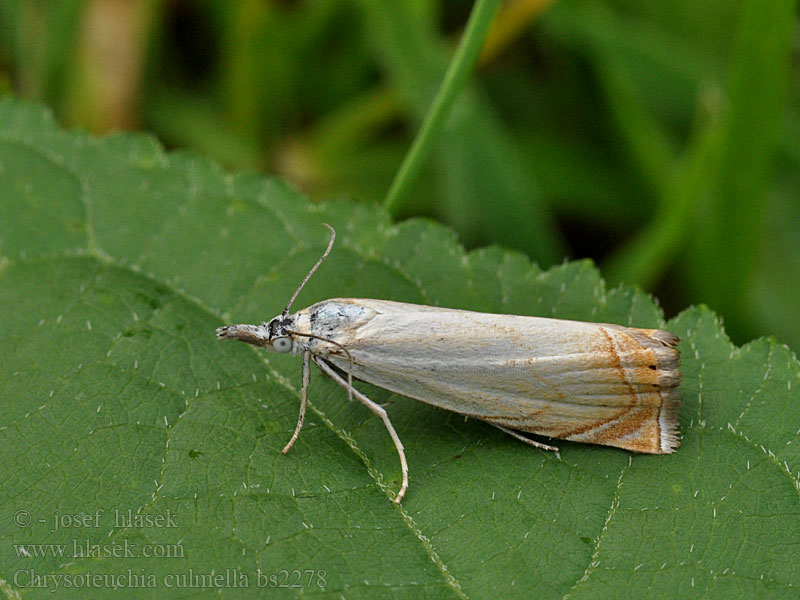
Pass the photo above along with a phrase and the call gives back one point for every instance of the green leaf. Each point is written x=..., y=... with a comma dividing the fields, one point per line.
x=118, y=261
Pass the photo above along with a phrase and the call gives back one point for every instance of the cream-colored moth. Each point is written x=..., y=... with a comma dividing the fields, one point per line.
x=586, y=382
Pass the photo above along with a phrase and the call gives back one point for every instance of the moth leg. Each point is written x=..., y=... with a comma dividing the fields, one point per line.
x=522, y=438
x=378, y=410
x=303, y=401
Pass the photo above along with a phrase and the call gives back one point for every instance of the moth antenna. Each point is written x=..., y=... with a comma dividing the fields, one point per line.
x=311, y=272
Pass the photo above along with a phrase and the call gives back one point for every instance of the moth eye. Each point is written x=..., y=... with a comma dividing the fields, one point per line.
x=282, y=345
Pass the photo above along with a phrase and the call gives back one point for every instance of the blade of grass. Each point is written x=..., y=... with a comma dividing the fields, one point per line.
x=458, y=71
x=728, y=233
x=645, y=258
x=714, y=204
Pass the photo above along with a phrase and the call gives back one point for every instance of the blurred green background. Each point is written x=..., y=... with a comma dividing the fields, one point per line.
x=660, y=139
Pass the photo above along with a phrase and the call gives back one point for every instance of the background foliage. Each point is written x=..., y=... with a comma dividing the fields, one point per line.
x=659, y=139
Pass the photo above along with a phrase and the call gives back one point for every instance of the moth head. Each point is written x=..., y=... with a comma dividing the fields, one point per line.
x=275, y=335
x=280, y=339
x=279, y=335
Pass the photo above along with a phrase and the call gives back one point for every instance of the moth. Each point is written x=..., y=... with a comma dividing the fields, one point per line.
x=585, y=382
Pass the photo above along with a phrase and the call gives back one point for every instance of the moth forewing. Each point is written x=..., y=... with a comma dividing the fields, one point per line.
x=587, y=382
